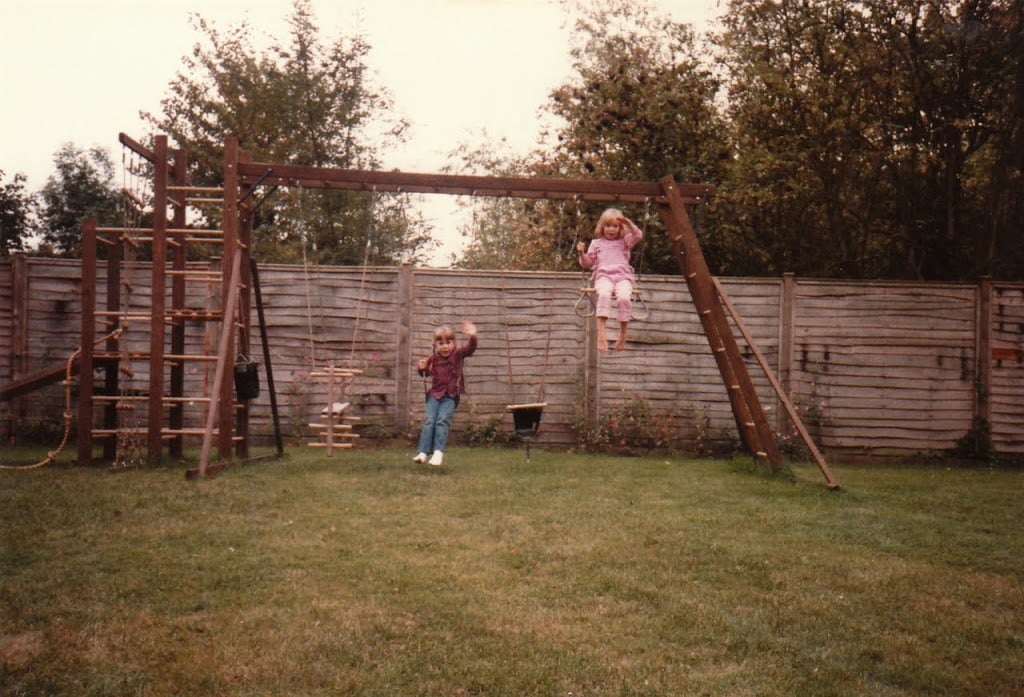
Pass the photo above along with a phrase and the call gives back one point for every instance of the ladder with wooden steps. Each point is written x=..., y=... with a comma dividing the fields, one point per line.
x=335, y=428
x=754, y=429
x=158, y=413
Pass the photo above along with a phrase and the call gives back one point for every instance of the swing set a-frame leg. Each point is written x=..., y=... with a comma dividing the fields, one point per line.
x=753, y=426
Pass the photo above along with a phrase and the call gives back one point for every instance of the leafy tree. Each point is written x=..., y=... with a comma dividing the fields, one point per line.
x=83, y=186
x=640, y=106
x=875, y=127
x=16, y=206
x=302, y=103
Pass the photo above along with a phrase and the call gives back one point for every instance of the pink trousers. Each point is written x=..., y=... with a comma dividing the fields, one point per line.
x=623, y=289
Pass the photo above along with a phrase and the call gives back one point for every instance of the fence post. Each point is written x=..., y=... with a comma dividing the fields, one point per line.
x=983, y=351
x=785, y=367
x=19, y=347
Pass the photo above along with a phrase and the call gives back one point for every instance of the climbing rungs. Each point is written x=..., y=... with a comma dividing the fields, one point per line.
x=333, y=445
x=325, y=427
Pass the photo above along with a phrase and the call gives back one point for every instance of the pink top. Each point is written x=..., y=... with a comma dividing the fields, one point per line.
x=610, y=258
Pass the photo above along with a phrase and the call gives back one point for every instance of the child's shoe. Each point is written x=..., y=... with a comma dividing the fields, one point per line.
x=436, y=458
x=420, y=458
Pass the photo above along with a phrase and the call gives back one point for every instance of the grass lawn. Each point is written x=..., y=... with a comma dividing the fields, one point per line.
x=364, y=574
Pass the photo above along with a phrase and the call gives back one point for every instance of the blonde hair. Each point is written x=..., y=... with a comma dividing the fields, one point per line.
x=609, y=213
x=443, y=332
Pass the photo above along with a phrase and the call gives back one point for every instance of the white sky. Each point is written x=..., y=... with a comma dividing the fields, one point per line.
x=81, y=70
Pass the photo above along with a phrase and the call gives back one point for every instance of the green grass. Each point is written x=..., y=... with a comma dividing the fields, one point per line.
x=363, y=574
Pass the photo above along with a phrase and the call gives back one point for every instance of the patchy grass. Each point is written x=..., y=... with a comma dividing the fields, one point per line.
x=363, y=574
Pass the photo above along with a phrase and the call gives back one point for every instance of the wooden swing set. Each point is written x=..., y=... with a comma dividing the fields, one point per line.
x=227, y=412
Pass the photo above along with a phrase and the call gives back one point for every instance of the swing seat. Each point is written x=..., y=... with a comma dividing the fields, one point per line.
x=526, y=418
x=586, y=304
x=335, y=409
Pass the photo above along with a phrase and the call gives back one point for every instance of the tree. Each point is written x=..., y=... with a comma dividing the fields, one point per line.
x=16, y=206
x=304, y=103
x=866, y=136
x=83, y=186
x=640, y=106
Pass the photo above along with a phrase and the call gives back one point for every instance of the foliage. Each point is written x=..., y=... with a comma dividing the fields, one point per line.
x=634, y=427
x=303, y=103
x=876, y=125
x=16, y=207
x=640, y=106
x=83, y=186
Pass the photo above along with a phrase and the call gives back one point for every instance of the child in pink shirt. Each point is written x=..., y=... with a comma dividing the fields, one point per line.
x=614, y=236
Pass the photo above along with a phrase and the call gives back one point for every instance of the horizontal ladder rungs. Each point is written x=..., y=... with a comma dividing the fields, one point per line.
x=333, y=445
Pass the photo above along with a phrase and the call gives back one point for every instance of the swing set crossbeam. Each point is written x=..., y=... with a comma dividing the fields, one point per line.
x=260, y=173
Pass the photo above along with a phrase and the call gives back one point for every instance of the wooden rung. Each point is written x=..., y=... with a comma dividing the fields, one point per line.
x=692, y=274
x=705, y=312
x=333, y=445
x=734, y=387
x=339, y=426
x=213, y=275
x=749, y=424
x=196, y=231
x=762, y=454
x=197, y=189
x=203, y=200
x=720, y=349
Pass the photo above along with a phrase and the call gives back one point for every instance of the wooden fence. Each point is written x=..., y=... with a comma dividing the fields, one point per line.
x=877, y=369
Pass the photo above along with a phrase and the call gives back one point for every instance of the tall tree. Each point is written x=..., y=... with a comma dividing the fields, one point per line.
x=82, y=186
x=301, y=103
x=16, y=206
x=640, y=105
x=864, y=135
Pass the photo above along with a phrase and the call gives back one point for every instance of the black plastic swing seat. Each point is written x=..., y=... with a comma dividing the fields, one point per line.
x=526, y=418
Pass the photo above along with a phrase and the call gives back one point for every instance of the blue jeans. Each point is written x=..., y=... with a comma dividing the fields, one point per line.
x=437, y=419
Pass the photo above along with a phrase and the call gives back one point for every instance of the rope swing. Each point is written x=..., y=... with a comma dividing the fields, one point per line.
x=526, y=417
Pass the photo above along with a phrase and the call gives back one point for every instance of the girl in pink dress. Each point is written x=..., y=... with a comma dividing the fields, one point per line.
x=614, y=236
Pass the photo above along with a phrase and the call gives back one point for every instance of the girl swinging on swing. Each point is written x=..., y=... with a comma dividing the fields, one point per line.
x=614, y=236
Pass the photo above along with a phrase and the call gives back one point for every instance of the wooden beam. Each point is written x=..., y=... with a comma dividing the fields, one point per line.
x=816, y=455
x=464, y=185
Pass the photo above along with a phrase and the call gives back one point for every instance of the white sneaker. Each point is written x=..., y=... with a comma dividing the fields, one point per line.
x=420, y=458
x=436, y=458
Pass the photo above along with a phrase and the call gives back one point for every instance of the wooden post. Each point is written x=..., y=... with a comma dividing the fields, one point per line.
x=787, y=311
x=176, y=415
x=88, y=339
x=224, y=385
x=751, y=422
x=20, y=345
x=112, y=376
x=816, y=455
x=983, y=352
x=244, y=223
x=158, y=304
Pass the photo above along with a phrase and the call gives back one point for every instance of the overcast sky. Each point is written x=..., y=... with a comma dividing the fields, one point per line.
x=81, y=70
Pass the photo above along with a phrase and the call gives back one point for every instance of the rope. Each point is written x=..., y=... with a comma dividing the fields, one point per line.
x=305, y=275
x=68, y=414
x=362, y=283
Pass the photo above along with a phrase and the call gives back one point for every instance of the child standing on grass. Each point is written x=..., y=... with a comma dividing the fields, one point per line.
x=444, y=367
x=614, y=236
